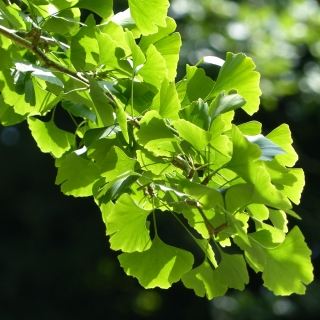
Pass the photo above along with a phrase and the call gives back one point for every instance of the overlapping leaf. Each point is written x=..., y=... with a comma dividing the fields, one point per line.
x=50, y=138
x=237, y=73
x=148, y=15
x=126, y=225
x=160, y=266
x=73, y=183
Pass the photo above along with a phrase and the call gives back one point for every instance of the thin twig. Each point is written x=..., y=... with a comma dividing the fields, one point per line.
x=11, y=34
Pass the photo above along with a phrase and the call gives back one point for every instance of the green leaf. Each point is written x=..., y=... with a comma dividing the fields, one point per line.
x=197, y=137
x=279, y=219
x=50, y=138
x=197, y=113
x=204, y=281
x=149, y=15
x=267, y=236
x=245, y=162
x=73, y=183
x=156, y=165
x=151, y=74
x=115, y=163
x=166, y=101
x=102, y=8
x=232, y=271
x=39, y=72
x=124, y=19
x=127, y=226
x=79, y=110
x=198, y=85
x=5, y=53
x=84, y=49
x=160, y=266
x=208, y=197
x=103, y=109
x=115, y=188
x=254, y=254
x=225, y=102
x=155, y=136
x=237, y=73
x=281, y=136
x=122, y=120
x=137, y=54
x=250, y=128
x=288, y=268
x=38, y=101
x=258, y=211
x=167, y=44
x=112, y=58
x=7, y=115
x=208, y=251
x=268, y=148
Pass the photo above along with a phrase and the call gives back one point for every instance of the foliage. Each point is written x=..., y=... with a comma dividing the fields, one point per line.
x=280, y=36
x=144, y=145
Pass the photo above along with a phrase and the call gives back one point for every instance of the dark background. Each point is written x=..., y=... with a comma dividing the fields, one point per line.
x=55, y=260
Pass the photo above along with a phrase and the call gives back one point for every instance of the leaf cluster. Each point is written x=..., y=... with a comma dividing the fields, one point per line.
x=143, y=144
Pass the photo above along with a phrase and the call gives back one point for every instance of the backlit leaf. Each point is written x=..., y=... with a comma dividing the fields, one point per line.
x=126, y=224
x=204, y=281
x=168, y=263
x=237, y=73
x=288, y=268
x=50, y=138
x=148, y=15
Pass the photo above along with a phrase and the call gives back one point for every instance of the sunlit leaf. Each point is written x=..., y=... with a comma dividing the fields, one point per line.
x=168, y=263
x=148, y=15
x=232, y=271
x=50, y=138
x=166, y=101
x=237, y=73
x=115, y=163
x=126, y=224
x=72, y=183
x=154, y=135
x=204, y=281
x=198, y=137
x=288, y=268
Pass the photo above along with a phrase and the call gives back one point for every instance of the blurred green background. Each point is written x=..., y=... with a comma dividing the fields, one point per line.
x=55, y=261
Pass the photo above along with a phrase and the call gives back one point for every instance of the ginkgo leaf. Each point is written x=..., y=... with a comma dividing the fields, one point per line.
x=198, y=137
x=167, y=43
x=237, y=73
x=225, y=102
x=268, y=148
x=197, y=85
x=73, y=183
x=103, y=8
x=281, y=136
x=155, y=136
x=160, y=266
x=204, y=281
x=126, y=224
x=156, y=165
x=50, y=138
x=39, y=72
x=166, y=101
x=232, y=271
x=288, y=268
x=148, y=15
x=254, y=254
x=115, y=163
x=151, y=74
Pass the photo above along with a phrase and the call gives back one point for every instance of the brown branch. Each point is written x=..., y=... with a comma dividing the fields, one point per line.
x=11, y=34
x=7, y=2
